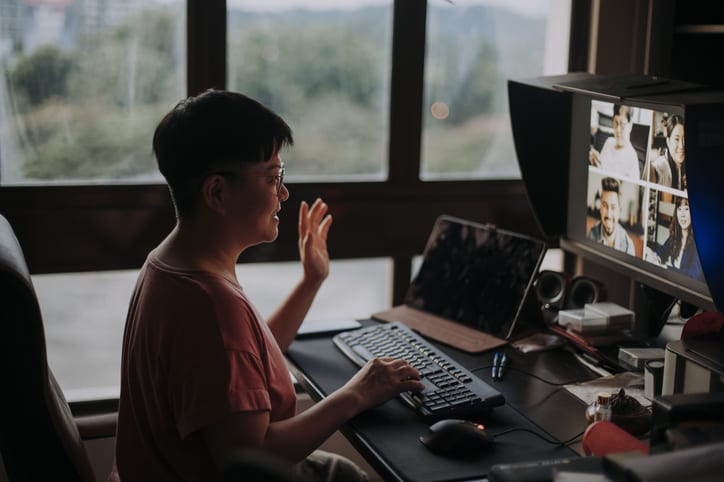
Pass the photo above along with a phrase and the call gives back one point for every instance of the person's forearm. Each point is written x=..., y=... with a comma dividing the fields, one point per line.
x=296, y=437
x=285, y=322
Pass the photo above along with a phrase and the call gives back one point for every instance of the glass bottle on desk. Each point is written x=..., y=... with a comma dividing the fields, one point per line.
x=600, y=409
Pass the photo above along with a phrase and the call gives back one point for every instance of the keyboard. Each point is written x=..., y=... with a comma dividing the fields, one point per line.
x=451, y=390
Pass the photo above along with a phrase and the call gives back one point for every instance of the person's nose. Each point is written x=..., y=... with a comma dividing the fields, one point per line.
x=284, y=193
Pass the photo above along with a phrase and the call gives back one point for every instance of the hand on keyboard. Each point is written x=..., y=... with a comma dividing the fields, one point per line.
x=447, y=389
x=381, y=379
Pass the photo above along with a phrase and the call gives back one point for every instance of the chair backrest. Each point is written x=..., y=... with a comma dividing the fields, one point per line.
x=39, y=439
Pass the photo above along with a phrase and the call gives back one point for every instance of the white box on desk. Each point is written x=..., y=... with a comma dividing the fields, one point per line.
x=597, y=318
x=617, y=317
x=637, y=357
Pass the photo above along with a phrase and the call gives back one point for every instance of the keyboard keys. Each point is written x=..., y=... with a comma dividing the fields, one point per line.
x=450, y=389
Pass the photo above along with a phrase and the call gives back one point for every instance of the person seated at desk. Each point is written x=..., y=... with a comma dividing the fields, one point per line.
x=203, y=376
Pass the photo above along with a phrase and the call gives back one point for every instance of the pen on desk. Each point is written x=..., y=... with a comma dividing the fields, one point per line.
x=501, y=366
x=496, y=364
x=591, y=366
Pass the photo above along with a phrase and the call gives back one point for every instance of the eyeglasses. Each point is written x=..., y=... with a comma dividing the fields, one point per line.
x=279, y=178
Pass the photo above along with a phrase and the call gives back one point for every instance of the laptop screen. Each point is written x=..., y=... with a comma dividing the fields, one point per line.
x=475, y=274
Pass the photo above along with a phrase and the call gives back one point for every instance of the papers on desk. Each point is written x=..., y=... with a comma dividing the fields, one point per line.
x=574, y=469
x=579, y=477
x=631, y=382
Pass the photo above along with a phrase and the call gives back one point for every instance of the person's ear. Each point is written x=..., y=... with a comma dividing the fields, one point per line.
x=214, y=192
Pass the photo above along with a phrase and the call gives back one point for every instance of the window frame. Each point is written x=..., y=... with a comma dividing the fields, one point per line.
x=81, y=228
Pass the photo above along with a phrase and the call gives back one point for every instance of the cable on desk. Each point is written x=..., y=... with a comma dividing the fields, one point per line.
x=521, y=429
x=533, y=375
x=545, y=439
x=559, y=386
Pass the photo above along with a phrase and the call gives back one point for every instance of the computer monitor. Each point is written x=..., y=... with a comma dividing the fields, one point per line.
x=607, y=176
x=628, y=204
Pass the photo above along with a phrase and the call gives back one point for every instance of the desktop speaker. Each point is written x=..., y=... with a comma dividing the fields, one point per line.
x=583, y=290
x=550, y=289
x=555, y=292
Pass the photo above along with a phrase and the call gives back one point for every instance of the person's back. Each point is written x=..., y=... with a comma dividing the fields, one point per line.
x=184, y=332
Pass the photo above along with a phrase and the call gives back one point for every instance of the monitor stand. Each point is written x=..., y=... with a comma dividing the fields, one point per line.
x=652, y=308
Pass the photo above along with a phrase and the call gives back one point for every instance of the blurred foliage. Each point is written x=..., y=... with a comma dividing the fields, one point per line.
x=41, y=76
x=326, y=81
x=90, y=113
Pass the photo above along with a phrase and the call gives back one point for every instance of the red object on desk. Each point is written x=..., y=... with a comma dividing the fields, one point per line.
x=704, y=323
x=603, y=438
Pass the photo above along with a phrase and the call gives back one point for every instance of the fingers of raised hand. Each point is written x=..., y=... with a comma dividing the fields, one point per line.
x=317, y=213
x=303, y=223
x=314, y=219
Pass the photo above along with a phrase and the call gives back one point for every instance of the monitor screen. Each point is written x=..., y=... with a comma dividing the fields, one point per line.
x=628, y=195
x=475, y=274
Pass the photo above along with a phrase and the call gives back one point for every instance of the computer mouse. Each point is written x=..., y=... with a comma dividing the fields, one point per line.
x=457, y=438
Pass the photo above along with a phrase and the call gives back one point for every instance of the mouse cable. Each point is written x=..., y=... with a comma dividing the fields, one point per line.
x=546, y=439
x=533, y=375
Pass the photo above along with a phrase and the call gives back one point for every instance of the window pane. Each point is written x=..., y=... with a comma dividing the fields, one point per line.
x=85, y=313
x=324, y=66
x=473, y=48
x=83, y=85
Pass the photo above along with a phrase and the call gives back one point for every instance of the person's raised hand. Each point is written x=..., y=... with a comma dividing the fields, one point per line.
x=314, y=223
x=382, y=379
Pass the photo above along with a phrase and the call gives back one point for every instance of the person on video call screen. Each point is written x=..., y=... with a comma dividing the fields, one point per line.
x=668, y=169
x=607, y=230
x=618, y=156
x=678, y=251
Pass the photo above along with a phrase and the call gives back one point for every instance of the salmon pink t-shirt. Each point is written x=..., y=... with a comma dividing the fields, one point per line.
x=195, y=350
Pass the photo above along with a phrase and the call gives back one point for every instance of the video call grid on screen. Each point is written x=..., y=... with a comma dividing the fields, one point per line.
x=638, y=152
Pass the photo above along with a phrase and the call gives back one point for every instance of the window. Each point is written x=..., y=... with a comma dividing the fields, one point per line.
x=324, y=66
x=473, y=47
x=83, y=84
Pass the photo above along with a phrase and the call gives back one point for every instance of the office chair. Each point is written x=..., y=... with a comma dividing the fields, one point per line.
x=39, y=438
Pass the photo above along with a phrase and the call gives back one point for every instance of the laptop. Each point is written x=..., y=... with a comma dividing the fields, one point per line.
x=471, y=285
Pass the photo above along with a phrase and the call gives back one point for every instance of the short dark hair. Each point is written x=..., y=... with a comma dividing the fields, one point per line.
x=214, y=130
x=610, y=184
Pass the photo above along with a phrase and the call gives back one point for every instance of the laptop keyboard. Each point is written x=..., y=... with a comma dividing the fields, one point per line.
x=450, y=389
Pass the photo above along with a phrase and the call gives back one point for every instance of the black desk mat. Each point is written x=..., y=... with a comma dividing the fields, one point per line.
x=389, y=434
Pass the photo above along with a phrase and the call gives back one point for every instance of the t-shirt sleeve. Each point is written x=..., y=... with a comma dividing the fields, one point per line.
x=210, y=379
x=204, y=396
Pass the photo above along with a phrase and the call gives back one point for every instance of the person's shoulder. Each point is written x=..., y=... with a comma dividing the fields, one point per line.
x=623, y=234
x=659, y=161
x=594, y=232
x=628, y=241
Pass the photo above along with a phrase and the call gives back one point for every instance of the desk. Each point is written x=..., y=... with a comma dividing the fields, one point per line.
x=387, y=436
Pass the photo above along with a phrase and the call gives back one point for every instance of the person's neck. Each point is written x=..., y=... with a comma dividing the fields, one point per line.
x=194, y=248
x=608, y=239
